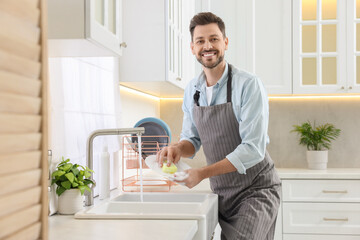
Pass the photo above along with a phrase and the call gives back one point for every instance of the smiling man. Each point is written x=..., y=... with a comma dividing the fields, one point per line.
x=226, y=111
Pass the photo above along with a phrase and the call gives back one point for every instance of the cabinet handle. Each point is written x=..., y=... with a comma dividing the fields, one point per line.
x=327, y=191
x=342, y=87
x=178, y=79
x=336, y=219
x=350, y=87
x=123, y=44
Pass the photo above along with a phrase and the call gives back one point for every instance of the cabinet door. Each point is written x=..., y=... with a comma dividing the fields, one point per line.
x=278, y=227
x=321, y=190
x=180, y=62
x=321, y=218
x=103, y=23
x=353, y=47
x=319, y=46
x=259, y=34
x=157, y=59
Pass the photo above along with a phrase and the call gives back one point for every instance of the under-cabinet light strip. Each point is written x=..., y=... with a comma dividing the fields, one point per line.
x=133, y=91
x=136, y=92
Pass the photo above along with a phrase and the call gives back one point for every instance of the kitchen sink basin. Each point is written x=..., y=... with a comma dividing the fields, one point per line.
x=202, y=207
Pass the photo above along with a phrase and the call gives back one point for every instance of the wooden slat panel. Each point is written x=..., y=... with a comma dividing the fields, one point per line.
x=17, y=84
x=11, y=143
x=18, y=28
x=21, y=11
x=30, y=3
x=20, y=47
x=18, y=123
x=19, y=162
x=12, y=103
x=19, y=65
x=29, y=233
x=17, y=221
x=44, y=111
x=15, y=182
x=19, y=200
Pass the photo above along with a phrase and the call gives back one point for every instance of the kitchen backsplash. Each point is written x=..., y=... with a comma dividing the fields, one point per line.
x=284, y=148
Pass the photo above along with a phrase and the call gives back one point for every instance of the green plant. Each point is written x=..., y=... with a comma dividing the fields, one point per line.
x=70, y=176
x=316, y=138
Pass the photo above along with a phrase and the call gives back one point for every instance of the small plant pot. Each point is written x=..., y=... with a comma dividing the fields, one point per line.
x=317, y=159
x=70, y=202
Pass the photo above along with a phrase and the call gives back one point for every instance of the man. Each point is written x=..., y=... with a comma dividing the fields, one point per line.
x=226, y=110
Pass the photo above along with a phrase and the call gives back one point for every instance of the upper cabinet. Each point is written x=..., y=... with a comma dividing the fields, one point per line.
x=158, y=58
x=268, y=39
x=79, y=28
x=259, y=33
x=326, y=46
x=295, y=47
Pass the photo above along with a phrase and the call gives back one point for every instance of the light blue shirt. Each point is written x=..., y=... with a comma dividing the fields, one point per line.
x=251, y=108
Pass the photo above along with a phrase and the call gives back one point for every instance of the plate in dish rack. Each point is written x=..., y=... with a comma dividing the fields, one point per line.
x=178, y=176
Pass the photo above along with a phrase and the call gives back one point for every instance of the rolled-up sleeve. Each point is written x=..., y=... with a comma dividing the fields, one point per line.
x=253, y=127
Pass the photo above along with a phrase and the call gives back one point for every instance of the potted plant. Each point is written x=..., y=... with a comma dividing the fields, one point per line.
x=317, y=139
x=72, y=181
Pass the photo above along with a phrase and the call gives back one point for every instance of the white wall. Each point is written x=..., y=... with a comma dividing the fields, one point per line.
x=136, y=106
x=84, y=97
x=284, y=113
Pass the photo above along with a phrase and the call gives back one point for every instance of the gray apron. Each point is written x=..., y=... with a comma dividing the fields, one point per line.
x=248, y=203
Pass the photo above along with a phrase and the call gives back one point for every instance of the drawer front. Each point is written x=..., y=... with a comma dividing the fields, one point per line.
x=319, y=237
x=321, y=218
x=321, y=190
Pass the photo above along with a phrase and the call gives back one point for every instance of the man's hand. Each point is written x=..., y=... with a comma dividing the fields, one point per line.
x=171, y=154
x=194, y=178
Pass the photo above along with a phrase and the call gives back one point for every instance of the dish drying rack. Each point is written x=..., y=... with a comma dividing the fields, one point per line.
x=131, y=168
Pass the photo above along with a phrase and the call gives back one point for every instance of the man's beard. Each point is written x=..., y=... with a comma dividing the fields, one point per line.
x=210, y=65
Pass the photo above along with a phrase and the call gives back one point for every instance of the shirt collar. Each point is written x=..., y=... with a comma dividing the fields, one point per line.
x=201, y=82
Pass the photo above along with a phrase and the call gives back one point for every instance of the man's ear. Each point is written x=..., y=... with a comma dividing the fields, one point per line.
x=192, y=47
x=226, y=43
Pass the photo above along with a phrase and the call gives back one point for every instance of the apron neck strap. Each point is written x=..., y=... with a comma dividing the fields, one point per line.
x=229, y=84
x=197, y=93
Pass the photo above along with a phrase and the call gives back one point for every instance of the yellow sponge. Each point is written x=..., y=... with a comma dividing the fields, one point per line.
x=172, y=169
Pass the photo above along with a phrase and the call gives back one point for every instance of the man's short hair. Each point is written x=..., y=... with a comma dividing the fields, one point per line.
x=205, y=18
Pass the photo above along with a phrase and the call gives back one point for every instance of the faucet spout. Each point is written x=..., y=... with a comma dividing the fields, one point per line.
x=89, y=198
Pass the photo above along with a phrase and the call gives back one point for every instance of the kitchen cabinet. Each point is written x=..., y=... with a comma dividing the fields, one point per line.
x=158, y=58
x=320, y=204
x=82, y=28
x=298, y=46
x=326, y=46
x=263, y=41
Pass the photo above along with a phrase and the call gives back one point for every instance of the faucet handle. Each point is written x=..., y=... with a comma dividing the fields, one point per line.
x=92, y=186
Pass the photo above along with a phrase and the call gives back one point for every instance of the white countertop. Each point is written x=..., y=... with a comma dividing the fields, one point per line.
x=330, y=173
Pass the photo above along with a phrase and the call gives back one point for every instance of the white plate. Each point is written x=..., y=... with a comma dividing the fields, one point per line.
x=181, y=167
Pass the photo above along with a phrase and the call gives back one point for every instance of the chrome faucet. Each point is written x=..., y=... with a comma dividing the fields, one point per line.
x=89, y=198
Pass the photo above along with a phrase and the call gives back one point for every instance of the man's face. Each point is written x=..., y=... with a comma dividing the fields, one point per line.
x=209, y=45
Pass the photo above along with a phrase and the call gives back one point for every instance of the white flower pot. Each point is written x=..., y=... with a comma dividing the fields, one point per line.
x=317, y=159
x=70, y=202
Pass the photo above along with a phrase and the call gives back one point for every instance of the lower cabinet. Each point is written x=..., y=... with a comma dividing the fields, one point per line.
x=321, y=218
x=278, y=227
x=318, y=209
